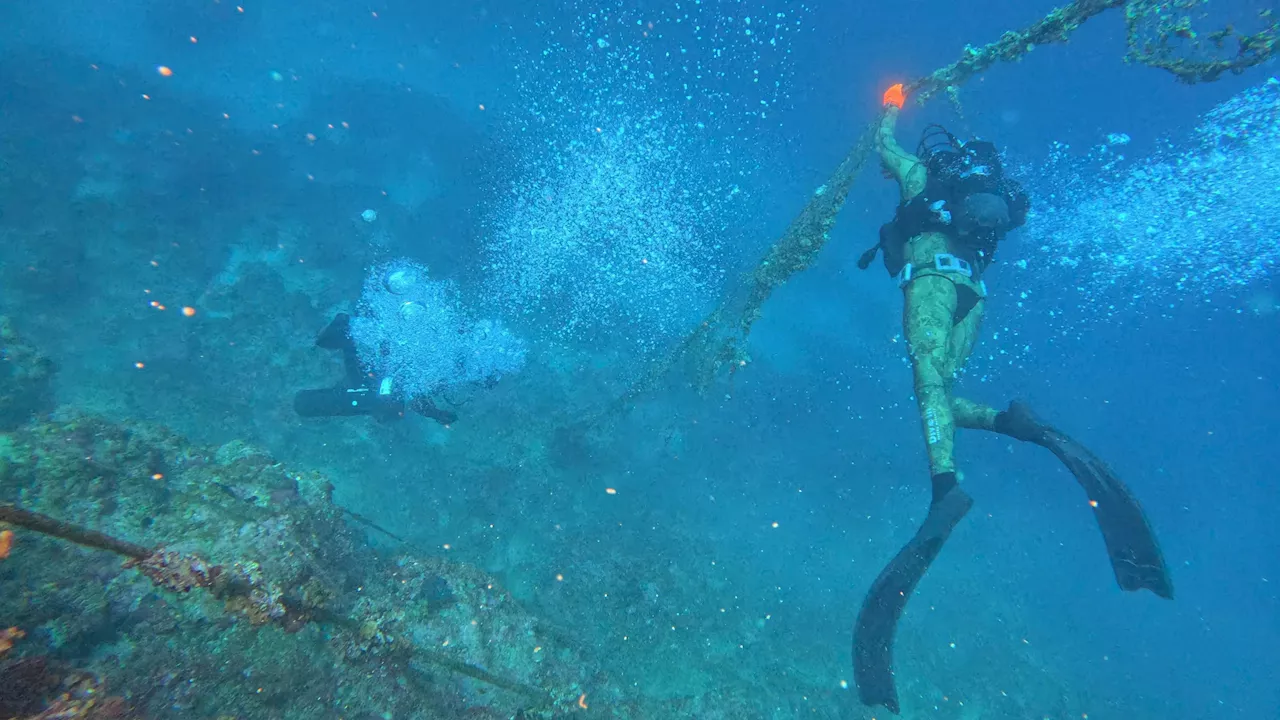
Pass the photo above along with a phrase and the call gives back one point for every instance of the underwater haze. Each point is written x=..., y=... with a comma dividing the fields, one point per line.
x=361, y=332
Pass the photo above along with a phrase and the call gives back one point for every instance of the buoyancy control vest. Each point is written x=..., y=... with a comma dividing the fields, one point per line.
x=966, y=197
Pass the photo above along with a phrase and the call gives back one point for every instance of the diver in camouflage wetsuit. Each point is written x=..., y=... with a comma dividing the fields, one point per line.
x=956, y=206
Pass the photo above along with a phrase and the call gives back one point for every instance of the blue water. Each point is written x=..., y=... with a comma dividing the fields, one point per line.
x=594, y=176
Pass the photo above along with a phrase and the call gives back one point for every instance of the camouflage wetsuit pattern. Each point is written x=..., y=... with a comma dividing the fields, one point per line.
x=942, y=312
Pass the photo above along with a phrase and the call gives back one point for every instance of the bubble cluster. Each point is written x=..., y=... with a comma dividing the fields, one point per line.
x=1113, y=239
x=636, y=130
x=416, y=332
x=1202, y=218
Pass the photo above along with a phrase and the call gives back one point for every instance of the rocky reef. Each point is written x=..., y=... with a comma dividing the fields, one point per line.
x=26, y=378
x=252, y=595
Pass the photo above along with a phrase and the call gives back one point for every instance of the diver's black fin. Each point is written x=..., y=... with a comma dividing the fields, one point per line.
x=1131, y=543
x=878, y=618
x=868, y=256
x=334, y=335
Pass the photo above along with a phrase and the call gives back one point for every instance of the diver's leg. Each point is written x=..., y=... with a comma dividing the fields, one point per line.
x=335, y=335
x=972, y=415
x=354, y=375
x=968, y=414
x=928, y=313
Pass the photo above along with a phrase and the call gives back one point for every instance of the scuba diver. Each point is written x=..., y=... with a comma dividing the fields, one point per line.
x=360, y=392
x=956, y=206
x=412, y=340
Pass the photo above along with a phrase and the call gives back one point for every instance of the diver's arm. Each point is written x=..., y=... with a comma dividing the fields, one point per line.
x=905, y=167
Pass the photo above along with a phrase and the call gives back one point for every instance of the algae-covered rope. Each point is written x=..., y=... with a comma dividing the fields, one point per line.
x=182, y=573
x=1056, y=27
x=45, y=525
x=1159, y=37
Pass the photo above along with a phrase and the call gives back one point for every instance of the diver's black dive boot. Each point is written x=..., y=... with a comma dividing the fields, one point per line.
x=878, y=618
x=1131, y=543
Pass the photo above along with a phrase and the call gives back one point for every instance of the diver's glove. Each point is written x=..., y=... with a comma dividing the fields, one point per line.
x=895, y=96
